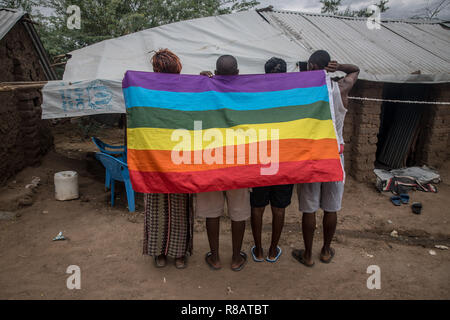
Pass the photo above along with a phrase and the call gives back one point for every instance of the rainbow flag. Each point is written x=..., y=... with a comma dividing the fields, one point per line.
x=189, y=134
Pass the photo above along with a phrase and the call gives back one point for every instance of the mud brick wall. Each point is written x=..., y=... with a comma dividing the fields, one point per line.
x=24, y=137
x=436, y=149
x=361, y=128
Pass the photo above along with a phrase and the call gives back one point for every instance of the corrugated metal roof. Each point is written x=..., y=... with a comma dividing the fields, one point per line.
x=391, y=53
x=8, y=18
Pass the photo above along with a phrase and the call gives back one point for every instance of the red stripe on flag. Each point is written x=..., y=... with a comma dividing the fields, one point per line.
x=246, y=176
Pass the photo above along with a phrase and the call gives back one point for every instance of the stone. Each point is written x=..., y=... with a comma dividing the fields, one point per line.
x=5, y=215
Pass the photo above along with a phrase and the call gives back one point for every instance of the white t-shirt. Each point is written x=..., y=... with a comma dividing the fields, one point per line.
x=339, y=111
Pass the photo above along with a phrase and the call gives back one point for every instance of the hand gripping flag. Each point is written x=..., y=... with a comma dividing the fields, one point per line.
x=189, y=134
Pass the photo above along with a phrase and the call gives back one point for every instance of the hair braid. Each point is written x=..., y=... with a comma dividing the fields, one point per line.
x=166, y=61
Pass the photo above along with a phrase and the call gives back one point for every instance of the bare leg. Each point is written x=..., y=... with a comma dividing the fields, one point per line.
x=212, y=228
x=329, y=228
x=256, y=221
x=277, y=227
x=237, y=233
x=308, y=228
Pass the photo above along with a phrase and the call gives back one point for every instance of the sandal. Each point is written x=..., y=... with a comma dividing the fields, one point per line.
x=158, y=264
x=298, y=255
x=209, y=264
x=181, y=265
x=332, y=252
x=396, y=200
x=279, y=251
x=254, y=256
x=243, y=255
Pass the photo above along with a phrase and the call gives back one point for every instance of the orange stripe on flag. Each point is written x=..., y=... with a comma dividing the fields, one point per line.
x=290, y=150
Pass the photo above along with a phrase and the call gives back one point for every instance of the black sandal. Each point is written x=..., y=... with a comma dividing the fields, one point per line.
x=243, y=255
x=332, y=252
x=209, y=264
x=298, y=255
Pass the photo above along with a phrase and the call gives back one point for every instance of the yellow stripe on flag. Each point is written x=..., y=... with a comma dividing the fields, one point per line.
x=188, y=140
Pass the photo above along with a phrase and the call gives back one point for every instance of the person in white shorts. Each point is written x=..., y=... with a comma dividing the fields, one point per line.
x=210, y=205
x=325, y=195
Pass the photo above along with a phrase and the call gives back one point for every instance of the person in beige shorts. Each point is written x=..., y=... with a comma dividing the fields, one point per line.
x=210, y=205
x=325, y=195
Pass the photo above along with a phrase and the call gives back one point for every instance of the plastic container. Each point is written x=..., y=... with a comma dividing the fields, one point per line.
x=66, y=185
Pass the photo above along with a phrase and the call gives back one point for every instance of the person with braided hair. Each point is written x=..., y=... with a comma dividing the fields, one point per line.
x=168, y=222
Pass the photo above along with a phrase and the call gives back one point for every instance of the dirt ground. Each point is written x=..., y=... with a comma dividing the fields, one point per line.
x=106, y=243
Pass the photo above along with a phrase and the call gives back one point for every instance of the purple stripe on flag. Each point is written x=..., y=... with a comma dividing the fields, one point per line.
x=241, y=83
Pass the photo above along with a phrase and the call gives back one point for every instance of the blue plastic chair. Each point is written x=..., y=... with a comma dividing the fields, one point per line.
x=121, y=151
x=117, y=170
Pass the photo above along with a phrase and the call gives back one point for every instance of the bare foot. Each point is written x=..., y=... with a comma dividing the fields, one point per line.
x=213, y=261
x=259, y=254
x=299, y=255
x=326, y=255
x=237, y=263
x=273, y=252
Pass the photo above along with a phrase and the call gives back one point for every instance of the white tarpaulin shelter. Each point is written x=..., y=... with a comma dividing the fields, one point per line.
x=93, y=76
x=395, y=53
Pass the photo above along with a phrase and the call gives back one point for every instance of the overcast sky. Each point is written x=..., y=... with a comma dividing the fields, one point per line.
x=397, y=8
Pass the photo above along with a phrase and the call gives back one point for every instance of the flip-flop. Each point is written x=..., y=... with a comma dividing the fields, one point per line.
x=396, y=200
x=277, y=257
x=157, y=264
x=254, y=256
x=183, y=266
x=332, y=252
x=298, y=255
x=405, y=198
x=209, y=264
x=243, y=255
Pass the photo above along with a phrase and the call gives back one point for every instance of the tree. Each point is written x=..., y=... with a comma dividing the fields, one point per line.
x=25, y=5
x=330, y=6
x=106, y=19
x=382, y=5
x=431, y=11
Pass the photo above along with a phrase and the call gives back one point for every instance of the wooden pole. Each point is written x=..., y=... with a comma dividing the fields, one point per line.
x=58, y=64
x=22, y=82
x=6, y=88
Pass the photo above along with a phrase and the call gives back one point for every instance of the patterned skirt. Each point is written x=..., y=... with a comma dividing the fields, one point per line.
x=168, y=224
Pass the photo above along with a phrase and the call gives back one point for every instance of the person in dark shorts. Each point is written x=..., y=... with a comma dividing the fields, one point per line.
x=279, y=197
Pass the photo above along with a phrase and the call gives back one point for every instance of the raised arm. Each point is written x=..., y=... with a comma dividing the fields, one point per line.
x=352, y=72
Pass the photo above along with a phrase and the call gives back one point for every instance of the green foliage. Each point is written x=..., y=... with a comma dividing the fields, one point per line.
x=332, y=7
x=26, y=5
x=106, y=19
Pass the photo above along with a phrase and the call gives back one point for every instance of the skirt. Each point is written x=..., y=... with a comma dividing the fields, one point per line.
x=168, y=224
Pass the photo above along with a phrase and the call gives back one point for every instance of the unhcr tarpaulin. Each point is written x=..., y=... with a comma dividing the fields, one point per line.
x=189, y=134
